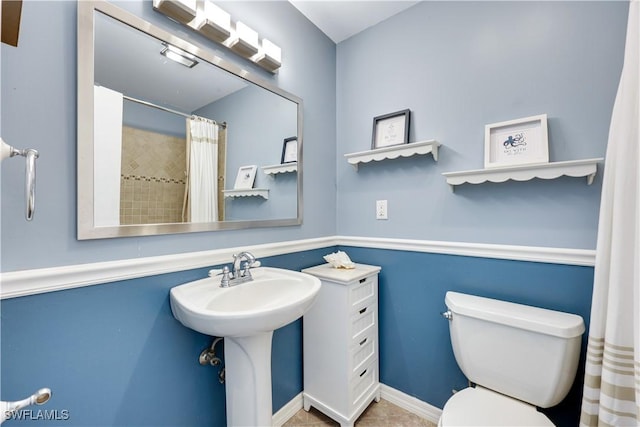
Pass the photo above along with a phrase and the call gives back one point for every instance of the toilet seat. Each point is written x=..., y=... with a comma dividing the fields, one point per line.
x=482, y=407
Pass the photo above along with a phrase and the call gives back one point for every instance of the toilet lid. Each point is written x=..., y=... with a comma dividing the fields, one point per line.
x=481, y=407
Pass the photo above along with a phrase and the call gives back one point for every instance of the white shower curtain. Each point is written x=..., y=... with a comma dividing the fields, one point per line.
x=107, y=156
x=202, y=170
x=612, y=373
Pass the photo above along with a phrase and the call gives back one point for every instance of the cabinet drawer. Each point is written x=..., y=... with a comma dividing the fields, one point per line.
x=363, y=351
x=362, y=382
x=362, y=321
x=365, y=288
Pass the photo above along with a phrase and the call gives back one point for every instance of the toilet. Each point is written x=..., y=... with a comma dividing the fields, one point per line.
x=519, y=357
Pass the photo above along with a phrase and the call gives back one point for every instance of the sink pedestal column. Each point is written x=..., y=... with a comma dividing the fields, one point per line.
x=248, y=380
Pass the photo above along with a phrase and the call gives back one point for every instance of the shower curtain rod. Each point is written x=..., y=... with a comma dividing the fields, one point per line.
x=159, y=107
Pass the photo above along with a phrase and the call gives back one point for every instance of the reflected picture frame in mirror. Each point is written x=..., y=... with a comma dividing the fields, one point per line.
x=88, y=204
x=245, y=178
x=289, y=150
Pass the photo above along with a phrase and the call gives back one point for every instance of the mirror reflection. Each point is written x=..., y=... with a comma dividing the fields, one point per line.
x=171, y=132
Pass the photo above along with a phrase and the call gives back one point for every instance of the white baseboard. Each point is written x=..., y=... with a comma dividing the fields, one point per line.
x=391, y=395
x=411, y=404
x=287, y=411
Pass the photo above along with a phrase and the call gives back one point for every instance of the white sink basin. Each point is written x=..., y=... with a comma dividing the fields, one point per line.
x=274, y=298
x=246, y=315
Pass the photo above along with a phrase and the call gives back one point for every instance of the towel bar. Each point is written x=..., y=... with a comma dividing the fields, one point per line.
x=30, y=174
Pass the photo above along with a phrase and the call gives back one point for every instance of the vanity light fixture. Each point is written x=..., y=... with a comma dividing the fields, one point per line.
x=178, y=55
x=211, y=21
x=245, y=42
x=270, y=56
x=180, y=10
x=215, y=23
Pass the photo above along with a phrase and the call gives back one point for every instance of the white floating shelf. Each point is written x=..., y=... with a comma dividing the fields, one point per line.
x=574, y=168
x=395, y=151
x=283, y=168
x=253, y=192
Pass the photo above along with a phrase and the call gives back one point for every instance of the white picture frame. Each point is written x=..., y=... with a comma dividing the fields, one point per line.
x=516, y=142
x=246, y=177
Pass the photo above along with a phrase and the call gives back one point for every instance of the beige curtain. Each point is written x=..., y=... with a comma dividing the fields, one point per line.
x=201, y=192
x=612, y=373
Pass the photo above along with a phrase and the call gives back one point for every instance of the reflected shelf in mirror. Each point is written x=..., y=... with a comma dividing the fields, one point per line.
x=253, y=192
x=273, y=170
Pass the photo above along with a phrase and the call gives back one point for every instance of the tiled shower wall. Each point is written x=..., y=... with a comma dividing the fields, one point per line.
x=152, y=181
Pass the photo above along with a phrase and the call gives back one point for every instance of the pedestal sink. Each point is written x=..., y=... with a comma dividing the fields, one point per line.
x=246, y=315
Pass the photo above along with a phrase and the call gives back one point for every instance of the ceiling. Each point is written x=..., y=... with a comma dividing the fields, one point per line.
x=341, y=19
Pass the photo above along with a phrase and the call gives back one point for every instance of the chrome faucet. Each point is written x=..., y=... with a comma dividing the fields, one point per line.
x=237, y=259
x=241, y=273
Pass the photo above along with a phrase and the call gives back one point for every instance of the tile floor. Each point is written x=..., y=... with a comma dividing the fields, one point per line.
x=381, y=414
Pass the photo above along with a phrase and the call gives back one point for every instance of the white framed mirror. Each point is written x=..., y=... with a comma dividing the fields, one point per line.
x=164, y=125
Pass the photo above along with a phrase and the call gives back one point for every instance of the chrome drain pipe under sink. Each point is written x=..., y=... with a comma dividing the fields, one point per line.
x=9, y=409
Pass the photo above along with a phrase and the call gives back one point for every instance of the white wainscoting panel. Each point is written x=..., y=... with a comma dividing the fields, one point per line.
x=29, y=282
x=585, y=257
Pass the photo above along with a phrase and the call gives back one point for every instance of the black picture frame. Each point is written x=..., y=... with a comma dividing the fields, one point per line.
x=391, y=129
x=289, y=150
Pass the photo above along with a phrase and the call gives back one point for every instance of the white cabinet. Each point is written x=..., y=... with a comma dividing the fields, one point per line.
x=340, y=347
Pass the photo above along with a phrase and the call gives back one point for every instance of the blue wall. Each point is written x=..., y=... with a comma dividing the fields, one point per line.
x=259, y=121
x=113, y=355
x=459, y=66
x=415, y=349
x=152, y=119
x=122, y=340
x=39, y=111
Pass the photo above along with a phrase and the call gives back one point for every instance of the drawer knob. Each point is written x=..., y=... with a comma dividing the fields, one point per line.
x=363, y=280
x=363, y=341
x=363, y=372
x=363, y=310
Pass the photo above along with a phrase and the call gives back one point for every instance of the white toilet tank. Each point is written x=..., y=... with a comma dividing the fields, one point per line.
x=521, y=351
